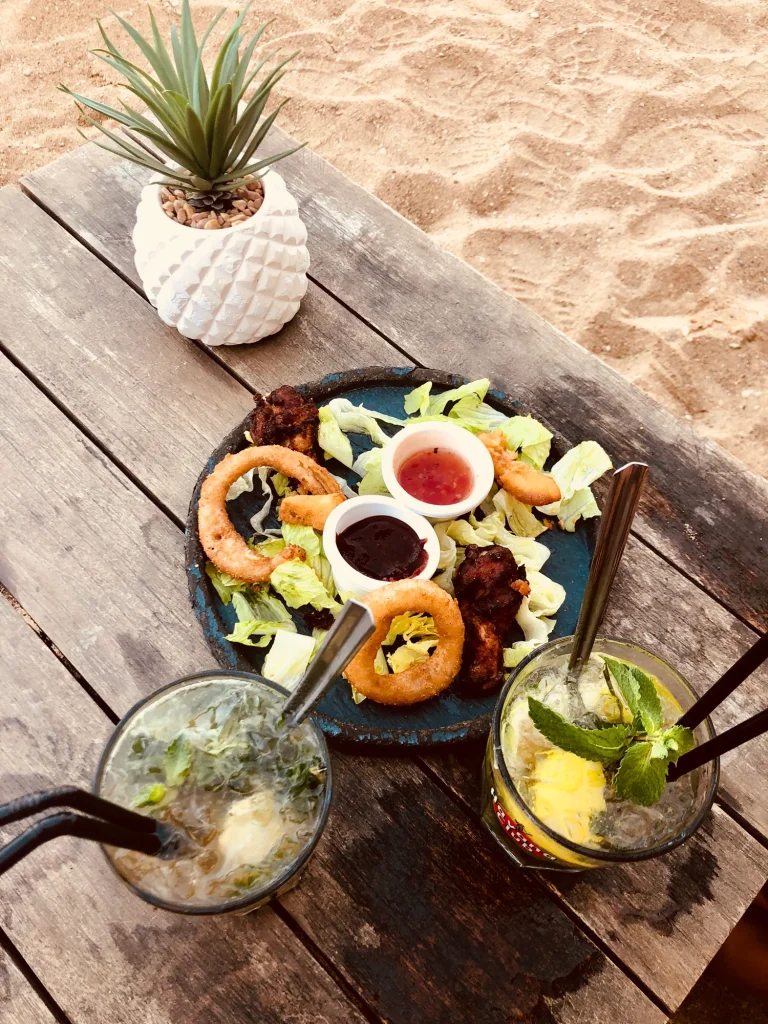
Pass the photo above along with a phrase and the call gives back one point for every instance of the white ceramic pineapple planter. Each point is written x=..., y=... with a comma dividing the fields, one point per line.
x=227, y=287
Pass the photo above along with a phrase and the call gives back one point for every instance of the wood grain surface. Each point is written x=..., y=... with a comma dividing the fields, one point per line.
x=645, y=573
x=19, y=1003
x=116, y=545
x=102, y=953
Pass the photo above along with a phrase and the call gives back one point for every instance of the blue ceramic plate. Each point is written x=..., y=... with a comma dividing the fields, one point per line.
x=447, y=718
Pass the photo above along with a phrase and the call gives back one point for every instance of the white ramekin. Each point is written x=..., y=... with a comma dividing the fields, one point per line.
x=416, y=438
x=348, y=580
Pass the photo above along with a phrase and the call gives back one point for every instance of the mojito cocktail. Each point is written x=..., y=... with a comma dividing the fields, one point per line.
x=575, y=770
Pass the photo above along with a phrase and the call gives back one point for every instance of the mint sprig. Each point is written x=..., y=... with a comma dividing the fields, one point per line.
x=641, y=750
x=604, y=745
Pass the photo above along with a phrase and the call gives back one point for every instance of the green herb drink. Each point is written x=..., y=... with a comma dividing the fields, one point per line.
x=575, y=773
x=208, y=756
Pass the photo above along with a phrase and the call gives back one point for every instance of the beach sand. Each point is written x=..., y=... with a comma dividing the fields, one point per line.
x=605, y=162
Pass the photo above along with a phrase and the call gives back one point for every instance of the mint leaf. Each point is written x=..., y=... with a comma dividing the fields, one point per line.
x=678, y=740
x=150, y=795
x=639, y=691
x=177, y=759
x=641, y=777
x=603, y=745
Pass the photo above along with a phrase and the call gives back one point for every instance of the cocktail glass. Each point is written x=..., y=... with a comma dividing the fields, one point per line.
x=291, y=874
x=527, y=840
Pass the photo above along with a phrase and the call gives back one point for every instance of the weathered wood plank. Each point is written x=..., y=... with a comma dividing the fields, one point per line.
x=42, y=435
x=324, y=336
x=19, y=1003
x=440, y=311
x=667, y=917
x=58, y=366
x=104, y=954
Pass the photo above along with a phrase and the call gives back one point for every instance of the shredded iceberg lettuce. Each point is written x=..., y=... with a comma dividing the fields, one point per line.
x=242, y=485
x=533, y=627
x=287, y=659
x=417, y=401
x=368, y=466
x=281, y=483
x=520, y=649
x=225, y=584
x=267, y=548
x=298, y=584
x=356, y=419
x=478, y=388
x=529, y=438
x=546, y=596
x=574, y=473
x=258, y=520
x=333, y=440
x=473, y=414
x=520, y=518
x=260, y=615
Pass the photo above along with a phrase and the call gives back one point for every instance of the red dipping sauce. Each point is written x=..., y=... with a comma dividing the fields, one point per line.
x=437, y=476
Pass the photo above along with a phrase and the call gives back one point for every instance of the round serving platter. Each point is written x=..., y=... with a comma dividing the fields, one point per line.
x=448, y=718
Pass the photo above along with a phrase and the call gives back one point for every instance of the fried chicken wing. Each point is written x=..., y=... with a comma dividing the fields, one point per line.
x=286, y=418
x=489, y=587
x=521, y=480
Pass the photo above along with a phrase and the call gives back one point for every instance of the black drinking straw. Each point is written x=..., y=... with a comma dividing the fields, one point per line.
x=715, y=695
x=725, y=685
x=103, y=822
x=720, y=745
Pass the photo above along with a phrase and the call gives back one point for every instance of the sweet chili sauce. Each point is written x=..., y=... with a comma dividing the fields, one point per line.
x=437, y=476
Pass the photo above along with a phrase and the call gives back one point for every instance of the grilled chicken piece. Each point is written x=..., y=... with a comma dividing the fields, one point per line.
x=286, y=418
x=489, y=587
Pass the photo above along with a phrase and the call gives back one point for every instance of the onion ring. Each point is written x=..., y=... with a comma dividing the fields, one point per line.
x=427, y=678
x=221, y=541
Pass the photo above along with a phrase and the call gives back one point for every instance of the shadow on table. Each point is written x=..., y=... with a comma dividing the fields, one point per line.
x=735, y=985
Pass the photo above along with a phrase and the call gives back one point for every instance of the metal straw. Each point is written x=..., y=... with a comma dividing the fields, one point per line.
x=615, y=525
x=353, y=626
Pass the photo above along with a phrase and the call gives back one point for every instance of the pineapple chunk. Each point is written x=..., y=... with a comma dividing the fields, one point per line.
x=565, y=792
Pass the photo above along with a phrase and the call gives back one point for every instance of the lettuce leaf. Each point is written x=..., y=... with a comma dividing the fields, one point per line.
x=479, y=388
x=333, y=440
x=533, y=627
x=529, y=438
x=282, y=484
x=546, y=596
x=287, y=659
x=267, y=548
x=417, y=401
x=473, y=414
x=418, y=632
x=356, y=419
x=492, y=530
x=261, y=616
x=312, y=543
x=520, y=518
x=574, y=473
x=520, y=649
x=298, y=584
x=225, y=584
x=368, y=466
x=258, y=520
x=242, y=485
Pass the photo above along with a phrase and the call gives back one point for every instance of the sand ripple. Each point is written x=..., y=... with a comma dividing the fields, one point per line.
x=603, y=161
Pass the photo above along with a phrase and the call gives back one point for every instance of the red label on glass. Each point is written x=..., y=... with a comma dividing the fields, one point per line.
x=515, y=831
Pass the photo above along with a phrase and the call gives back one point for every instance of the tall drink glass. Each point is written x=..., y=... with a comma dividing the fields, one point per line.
x=535, y=845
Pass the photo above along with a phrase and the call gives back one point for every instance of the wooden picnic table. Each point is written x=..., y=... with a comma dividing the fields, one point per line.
x=408, y=912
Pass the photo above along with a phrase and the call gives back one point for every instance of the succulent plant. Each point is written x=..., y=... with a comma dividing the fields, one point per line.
x=197, y=121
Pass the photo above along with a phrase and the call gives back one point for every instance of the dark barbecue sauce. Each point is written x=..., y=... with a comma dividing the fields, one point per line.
x=383, y=548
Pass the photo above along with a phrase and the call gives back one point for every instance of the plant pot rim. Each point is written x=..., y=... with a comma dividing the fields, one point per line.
x=268, y=174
